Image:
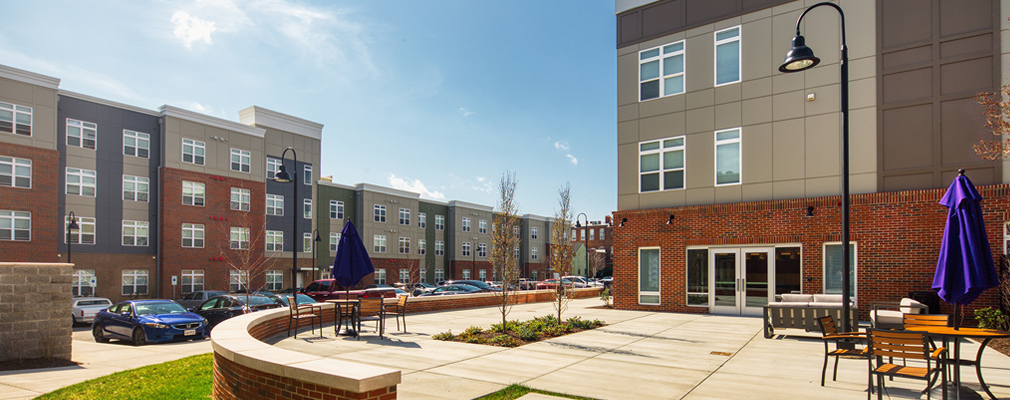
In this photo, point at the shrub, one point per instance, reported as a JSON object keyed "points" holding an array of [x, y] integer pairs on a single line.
{"points": [[473, 330], [504, 341], [444, 336], [527, 333], [990, 318], [605, 297]]}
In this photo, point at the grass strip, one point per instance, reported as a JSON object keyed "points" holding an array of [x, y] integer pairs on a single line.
{"points": [[186, 378], [515, 391]]}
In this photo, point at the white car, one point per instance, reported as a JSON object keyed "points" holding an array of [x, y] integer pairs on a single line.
{"points": [[85, 308]]}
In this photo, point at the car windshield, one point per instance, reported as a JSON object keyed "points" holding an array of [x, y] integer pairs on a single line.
{"points": [[94, 303], [256, 300], [165, 307]]}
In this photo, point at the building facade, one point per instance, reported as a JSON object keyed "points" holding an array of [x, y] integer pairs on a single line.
{"points": [[729, 171]]}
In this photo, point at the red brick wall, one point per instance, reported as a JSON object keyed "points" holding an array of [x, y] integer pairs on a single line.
{"points": [[46, 221], [238, 382], [897, 238]]}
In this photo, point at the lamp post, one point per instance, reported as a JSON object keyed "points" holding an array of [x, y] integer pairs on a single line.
{"points": [[585, 241], [316, 239], [71, 225], [473, 252], [282, 176], [800, 58]]}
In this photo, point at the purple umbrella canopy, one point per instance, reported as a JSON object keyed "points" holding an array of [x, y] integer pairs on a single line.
{"points": [[352, 262], [965, 267]]}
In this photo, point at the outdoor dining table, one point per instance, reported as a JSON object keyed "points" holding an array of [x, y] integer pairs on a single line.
{"points": [[948, 333], [342, 307]]}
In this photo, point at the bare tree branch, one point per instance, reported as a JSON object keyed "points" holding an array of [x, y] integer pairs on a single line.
{"points": [[562, 252], [504, 239]]}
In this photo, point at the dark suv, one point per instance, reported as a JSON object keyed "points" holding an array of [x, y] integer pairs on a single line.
{"points": [[484, 287]]}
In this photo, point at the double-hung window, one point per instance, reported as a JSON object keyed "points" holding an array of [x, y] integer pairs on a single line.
{"points": [[80, 286], [136, 144], [82, 134], [334, 241], [533, 253], [661, 164], [240, 199], [439, 275], [16, 172], [404, 216], [81, 181], [379, 243], [193, 193], [275, 204], [336, 209], [422, 220], [308, 175], [135, 233], [193, 151], [533, 232], [238, 280], [404, 245], [422, 246], [15, 119], [306, 242], [380, 276], [273, 165], [275, 241], [192, 280], [727, 56], [307, 208], [648, 275], [481, 250], [15, 225], [192, 235], [466, 249], [833, 267], [482, 226], [439, 248], [240, 160], [439, 222], [135, 188], [275, 280], [466, 224], [661, 71], [379, 213], [134, 281], [727, 157], [239, 238], [404, 275]]}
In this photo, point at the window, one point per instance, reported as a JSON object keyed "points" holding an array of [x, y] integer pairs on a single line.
{"points": [[422, 246], [575, 235], [136, 144], [336, 209], [1006, 238], [15, 172], [533, 232], [15, 119], [534, 276], [727, 56], [380, 276], [273, 165], [582, 234], [239, 238], [379, 213], [591, 233], [85, 233], [833, 268], [515, 232], [192, 235], [307, 208], [308, 175], [515, 252], [81, 181], [466, 224], [404, 216], [601, 234], [466, 274], [192, 193], [482, 274], [727, 157], [275, 204], [82, 134], [237, 280], [661, 71], [275, 241], [240, 199], [334, 241], [379, 243], [481, 250], [404, 275], [482, 226], [439, 222], [439, 275], [135, 233], [466, 249], [81, 284], [661, 164], [422, 220], [192, 280], [275, 280], [240, 160], [533, 253], [134, 282], [307, 242], [648, 275], [135, 188], [424, 275], [697, 277], [404, 245], [439, 248], [193, 151]]}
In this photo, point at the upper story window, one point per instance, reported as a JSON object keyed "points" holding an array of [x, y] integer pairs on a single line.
{"points": [[81, 181], [661, 164], [466, 224], [334, 241], [422, 220], [240, 160], [273, 165], [727, 56], [192, 235], [275, 204], [591, 233], [404, 216], [85, 234], [482, 226], [15, 225], [275, 241], [82, 134], [308, 175], [439, 222], [307, 208], [16, 172], [136, 144], [379, 213], [193, 151], [727, 157], [240, 199], [533, 232], [135, 233], [466, 249], [379, 243], [15, 119], [661, 71], [193, 193], [135, 188], [336, 209], [439, 248], [239, 238]]}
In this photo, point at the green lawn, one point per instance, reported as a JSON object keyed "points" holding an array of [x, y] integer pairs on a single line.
{"points": [[512, 392], [187, 378]]}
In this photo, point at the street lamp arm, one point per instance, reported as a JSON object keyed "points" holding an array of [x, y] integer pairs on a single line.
{"points": [[835, 6]]}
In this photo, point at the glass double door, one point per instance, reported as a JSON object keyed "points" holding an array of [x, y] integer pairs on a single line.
{"points": [[742, 280]]}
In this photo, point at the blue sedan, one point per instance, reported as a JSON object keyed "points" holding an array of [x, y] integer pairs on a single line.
{"points": [[148, 321]]}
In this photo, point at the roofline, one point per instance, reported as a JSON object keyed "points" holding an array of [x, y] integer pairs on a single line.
{"points": [[260, 116], [109, 103], [463, 204], [21, 75], [170, 111], [385, 190]]}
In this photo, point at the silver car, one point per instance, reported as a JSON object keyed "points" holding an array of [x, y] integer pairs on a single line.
{"points": [[85, 308]]}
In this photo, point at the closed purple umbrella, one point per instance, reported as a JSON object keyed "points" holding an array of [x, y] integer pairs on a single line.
{"points": [[965, 267], [352, 262]]}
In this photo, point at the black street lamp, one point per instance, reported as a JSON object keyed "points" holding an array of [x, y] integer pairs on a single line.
{"points": [[473, 252], [585, 241], [800, 58], [316, 239], [71, 225], [282, 176]]}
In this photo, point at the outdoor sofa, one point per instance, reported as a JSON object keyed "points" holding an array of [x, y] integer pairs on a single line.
{"points": [[800, 311]]}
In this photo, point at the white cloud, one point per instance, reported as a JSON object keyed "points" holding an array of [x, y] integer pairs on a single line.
{"points": [[574, 161], [191, 29], [563, 146], [466, 112], [414, 185]]}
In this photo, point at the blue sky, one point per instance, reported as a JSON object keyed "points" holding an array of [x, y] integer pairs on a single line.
{"points": [[439, 97]]}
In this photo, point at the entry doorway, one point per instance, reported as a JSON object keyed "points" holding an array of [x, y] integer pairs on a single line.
{"points": [[745, 279]]}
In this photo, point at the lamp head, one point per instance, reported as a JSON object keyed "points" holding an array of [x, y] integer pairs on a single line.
{"points": [[799, 58], [282, 175], [73, 224]]}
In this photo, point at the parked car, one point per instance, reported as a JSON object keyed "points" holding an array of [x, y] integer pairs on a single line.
{"points": [[575, 281], [454, 288], [483, 286], [552, 284], [494, 285], [420, 288], [148, 321], [195, 298], [324, 289], [282, 299], [220, 308], [85, 308], [397, 289], [527, 284]]}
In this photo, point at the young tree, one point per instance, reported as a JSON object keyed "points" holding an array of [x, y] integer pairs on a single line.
{"points": [[562, 252], [244, 252], [996, 111], [504, 226]]}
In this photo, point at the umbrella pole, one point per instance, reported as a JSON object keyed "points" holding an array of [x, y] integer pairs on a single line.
{"points": [[957, 311]]}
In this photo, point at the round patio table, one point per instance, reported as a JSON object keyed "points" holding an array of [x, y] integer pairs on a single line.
{"points": [[344, 308], [956, 334]]}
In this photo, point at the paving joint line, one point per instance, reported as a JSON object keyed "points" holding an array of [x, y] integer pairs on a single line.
{"points": [[722, 364]]}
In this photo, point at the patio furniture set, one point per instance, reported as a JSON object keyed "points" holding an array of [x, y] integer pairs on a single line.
{"points": [[349, 313]]}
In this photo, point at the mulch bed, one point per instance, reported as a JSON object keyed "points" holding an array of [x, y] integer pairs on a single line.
{"points": [[35, 363]]}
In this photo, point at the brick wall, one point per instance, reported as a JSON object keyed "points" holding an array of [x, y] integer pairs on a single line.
{"points": [[34, 311], [897, 238], [239, 382], [46, 222]]}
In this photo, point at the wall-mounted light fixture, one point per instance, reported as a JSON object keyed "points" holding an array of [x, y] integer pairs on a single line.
{"points": [[810, 211], [623, 220], [670, 221]]}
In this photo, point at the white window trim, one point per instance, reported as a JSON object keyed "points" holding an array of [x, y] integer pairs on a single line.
{"points": [[195, 144], [336, 209], [274, 241], [662, 170], [138, 137], [244, 199], [192, 274], [662, 73], [334, 241], [16, 109], [422, 220], [639, 279], [244, 160], [307, 208], [855, 261], [439, 222], [715, 155], [82, 223], [403, 216], [193, 228], [379, 213], [194, 186], [14, 216], [276, 164], [278, 207], [81, 173], [14, 163], [715, 54], [82, 125], [307, 178], [379, 243], [243, 233], [137, 227], [137, 181]]}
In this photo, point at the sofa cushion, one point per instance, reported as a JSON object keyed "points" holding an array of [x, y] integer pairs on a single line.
{"points": [[887, 317], [789, 304], [907, 306], [797, 298], [828, 298]]}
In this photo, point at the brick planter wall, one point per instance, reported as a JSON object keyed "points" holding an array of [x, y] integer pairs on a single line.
{"points": [[35, 311], [233, 381]]}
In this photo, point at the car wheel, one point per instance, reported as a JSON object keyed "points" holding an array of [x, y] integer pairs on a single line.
{"points": [[139, 339], [73, 321], [99, 335]]}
